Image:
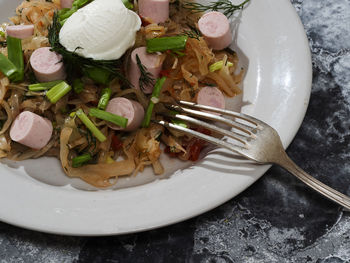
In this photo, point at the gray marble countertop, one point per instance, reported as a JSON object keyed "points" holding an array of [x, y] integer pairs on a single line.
{"points": [[277, 219]]}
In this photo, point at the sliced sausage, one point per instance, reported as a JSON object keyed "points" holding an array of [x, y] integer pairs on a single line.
{"points": [[152, 63], [156, 10], [211, 96], [130, 109], [66, 3], [31, 130], [47, 65], [20, 31], [215, 29]]}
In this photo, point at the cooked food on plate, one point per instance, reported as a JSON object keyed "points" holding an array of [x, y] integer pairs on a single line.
{"points": [[82, 80]]}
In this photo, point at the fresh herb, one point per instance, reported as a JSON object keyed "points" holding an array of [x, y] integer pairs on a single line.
{"points": [[227, 7], [90, 125], [107, 116], [154, 98], [160, 44], [8, 68], [98, 74], [218, 65], [43, 86], [78, 86], [65, 13], [58, 91], [2, 33], [81, 160], [128, 4], [192, 32], [15, 54], [105, 97], [74, 62], [179, 123], [146, 79]]}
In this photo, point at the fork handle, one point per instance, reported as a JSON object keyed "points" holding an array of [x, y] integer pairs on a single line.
{"points": [[315, 184]]}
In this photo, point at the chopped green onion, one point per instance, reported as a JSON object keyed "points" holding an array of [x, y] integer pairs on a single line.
{"points": [[78, 86], [7, 67], [179, 54], [218, 65], [89, 124], [160, 44], [80, 160], [179, 123], [107, 116], [72, 114], [2, 33], [105, 96], [97, 74], [58, 91], [155, 94], [65, 13], [15, 54], [43, 86], [128, 4]]}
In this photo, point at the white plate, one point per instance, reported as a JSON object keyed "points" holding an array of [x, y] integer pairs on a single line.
{"points": [[273, 45]]}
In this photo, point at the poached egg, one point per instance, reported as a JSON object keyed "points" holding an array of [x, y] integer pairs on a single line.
{"points": [[101, 30]]}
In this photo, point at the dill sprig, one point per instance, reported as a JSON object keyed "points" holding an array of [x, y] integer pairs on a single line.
{"points": [[146, 78], [74, 62], [192, 32], [226, 6]]}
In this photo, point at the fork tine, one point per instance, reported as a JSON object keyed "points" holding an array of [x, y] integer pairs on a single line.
{"points": [[240, 126], [213, 140], [239, 115], [234, 135]]}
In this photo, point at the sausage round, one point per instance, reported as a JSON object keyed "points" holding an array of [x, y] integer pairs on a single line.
{"points": [[20, 31], [66, 3], [211, 96], [215, 29], [130, 109], [152, 63], [156, 10], [31, 130], [47, 65]]}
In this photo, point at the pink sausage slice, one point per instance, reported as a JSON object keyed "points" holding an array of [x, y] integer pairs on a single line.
{"points": [[211, 96], [130, 109], [20, 31], [66, 3], [47, 65], [156, 10], [152, 63], [215, 28], [31, 130]]}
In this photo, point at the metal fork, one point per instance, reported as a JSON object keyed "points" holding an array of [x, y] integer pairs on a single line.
{"points": [[254, 139]]}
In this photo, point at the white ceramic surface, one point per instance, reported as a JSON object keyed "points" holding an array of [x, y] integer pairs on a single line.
{"points": [[273, 47]]}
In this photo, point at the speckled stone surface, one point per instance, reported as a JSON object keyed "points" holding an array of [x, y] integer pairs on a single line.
{"points": [[277, 219]]}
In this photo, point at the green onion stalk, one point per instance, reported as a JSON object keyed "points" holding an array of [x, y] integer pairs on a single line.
{"points": [[154, 99], [90, 125], [81, 160], [105, 97], [58, 91], [13, 65], [15, 54], [78, 86], [160, 44], [107, 116], [43, 86], [8, 68]]}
